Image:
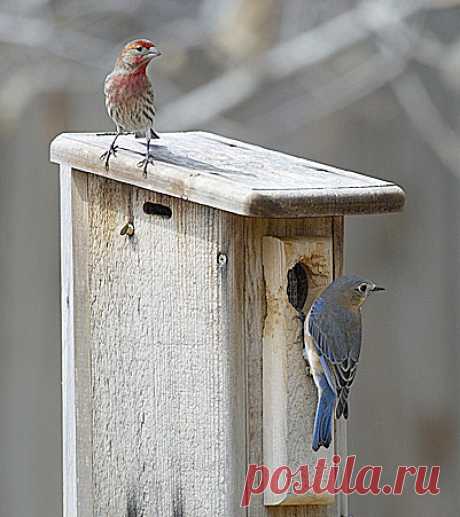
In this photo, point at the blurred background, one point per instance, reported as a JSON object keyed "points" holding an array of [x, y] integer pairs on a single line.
{"points": [[372, 86]]}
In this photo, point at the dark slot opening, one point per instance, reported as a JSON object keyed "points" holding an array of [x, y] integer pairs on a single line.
{"points": [[157, 209], [297, 288]]}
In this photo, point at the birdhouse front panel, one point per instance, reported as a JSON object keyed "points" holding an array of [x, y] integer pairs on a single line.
{"points": [[166, 404]]}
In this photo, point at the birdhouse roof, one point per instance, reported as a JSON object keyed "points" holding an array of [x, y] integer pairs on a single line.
{"points": [[230, 175]]}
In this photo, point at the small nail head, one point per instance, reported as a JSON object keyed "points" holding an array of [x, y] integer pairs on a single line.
{"points": [[128, 229], [222, 259]]}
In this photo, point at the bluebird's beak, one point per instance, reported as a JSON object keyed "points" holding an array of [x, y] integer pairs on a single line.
{"points": [[377, 288]]}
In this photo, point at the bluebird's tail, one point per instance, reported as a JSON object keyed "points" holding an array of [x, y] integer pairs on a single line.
{"points": [[322, 431]]}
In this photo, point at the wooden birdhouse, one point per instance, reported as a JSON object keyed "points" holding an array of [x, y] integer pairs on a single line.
{"points": [[182, 345]]}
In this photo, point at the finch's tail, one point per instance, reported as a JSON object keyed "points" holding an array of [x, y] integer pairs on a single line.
{"points": [[322, 431]]}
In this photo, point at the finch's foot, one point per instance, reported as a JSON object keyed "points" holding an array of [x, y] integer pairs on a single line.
{"points": [[106, 156], [145, 162]]}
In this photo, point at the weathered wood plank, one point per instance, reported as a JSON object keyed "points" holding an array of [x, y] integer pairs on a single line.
{"points": [[169, 424], [76, 378], [290, 395], [255, 308], [233, 176]]}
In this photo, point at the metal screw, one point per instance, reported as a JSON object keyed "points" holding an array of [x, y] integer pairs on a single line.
{"points": [[222, 259], [128, 229]]}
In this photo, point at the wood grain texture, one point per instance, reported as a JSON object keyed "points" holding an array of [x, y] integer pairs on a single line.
{"points": [[255, 309], [76, 368], [168, 420], [170, 348], [290, 396], [233, 176]]}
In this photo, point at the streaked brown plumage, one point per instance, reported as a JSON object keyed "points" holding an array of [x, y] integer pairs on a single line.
{"points": [[129, 96]]}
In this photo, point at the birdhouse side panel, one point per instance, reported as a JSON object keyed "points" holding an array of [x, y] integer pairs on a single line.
{"points": [[328, 229]]}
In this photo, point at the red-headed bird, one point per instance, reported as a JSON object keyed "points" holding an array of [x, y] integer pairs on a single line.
{"points": [[129, 96]]}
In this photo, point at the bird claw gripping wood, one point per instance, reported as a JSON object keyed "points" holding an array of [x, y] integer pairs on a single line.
{"points": [[144, 164], [112, 151], [307, 364], [302, 317]]}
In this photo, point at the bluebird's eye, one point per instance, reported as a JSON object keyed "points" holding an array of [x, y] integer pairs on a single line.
{"points": [[139, 49], [362, 288]]}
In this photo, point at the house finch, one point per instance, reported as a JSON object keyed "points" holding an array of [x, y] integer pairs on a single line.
{"points": [[129, 96]]}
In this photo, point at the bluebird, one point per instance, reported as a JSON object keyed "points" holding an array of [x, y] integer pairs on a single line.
{"points": [[332, 347]]}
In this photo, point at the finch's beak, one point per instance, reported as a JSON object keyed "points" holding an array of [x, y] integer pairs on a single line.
{"points": [[154, 52], [377, 288]]}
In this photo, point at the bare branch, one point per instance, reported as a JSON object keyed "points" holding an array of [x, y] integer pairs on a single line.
{"points": [[359, 82], [43, 34], [233, 87], [428, 121]]}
